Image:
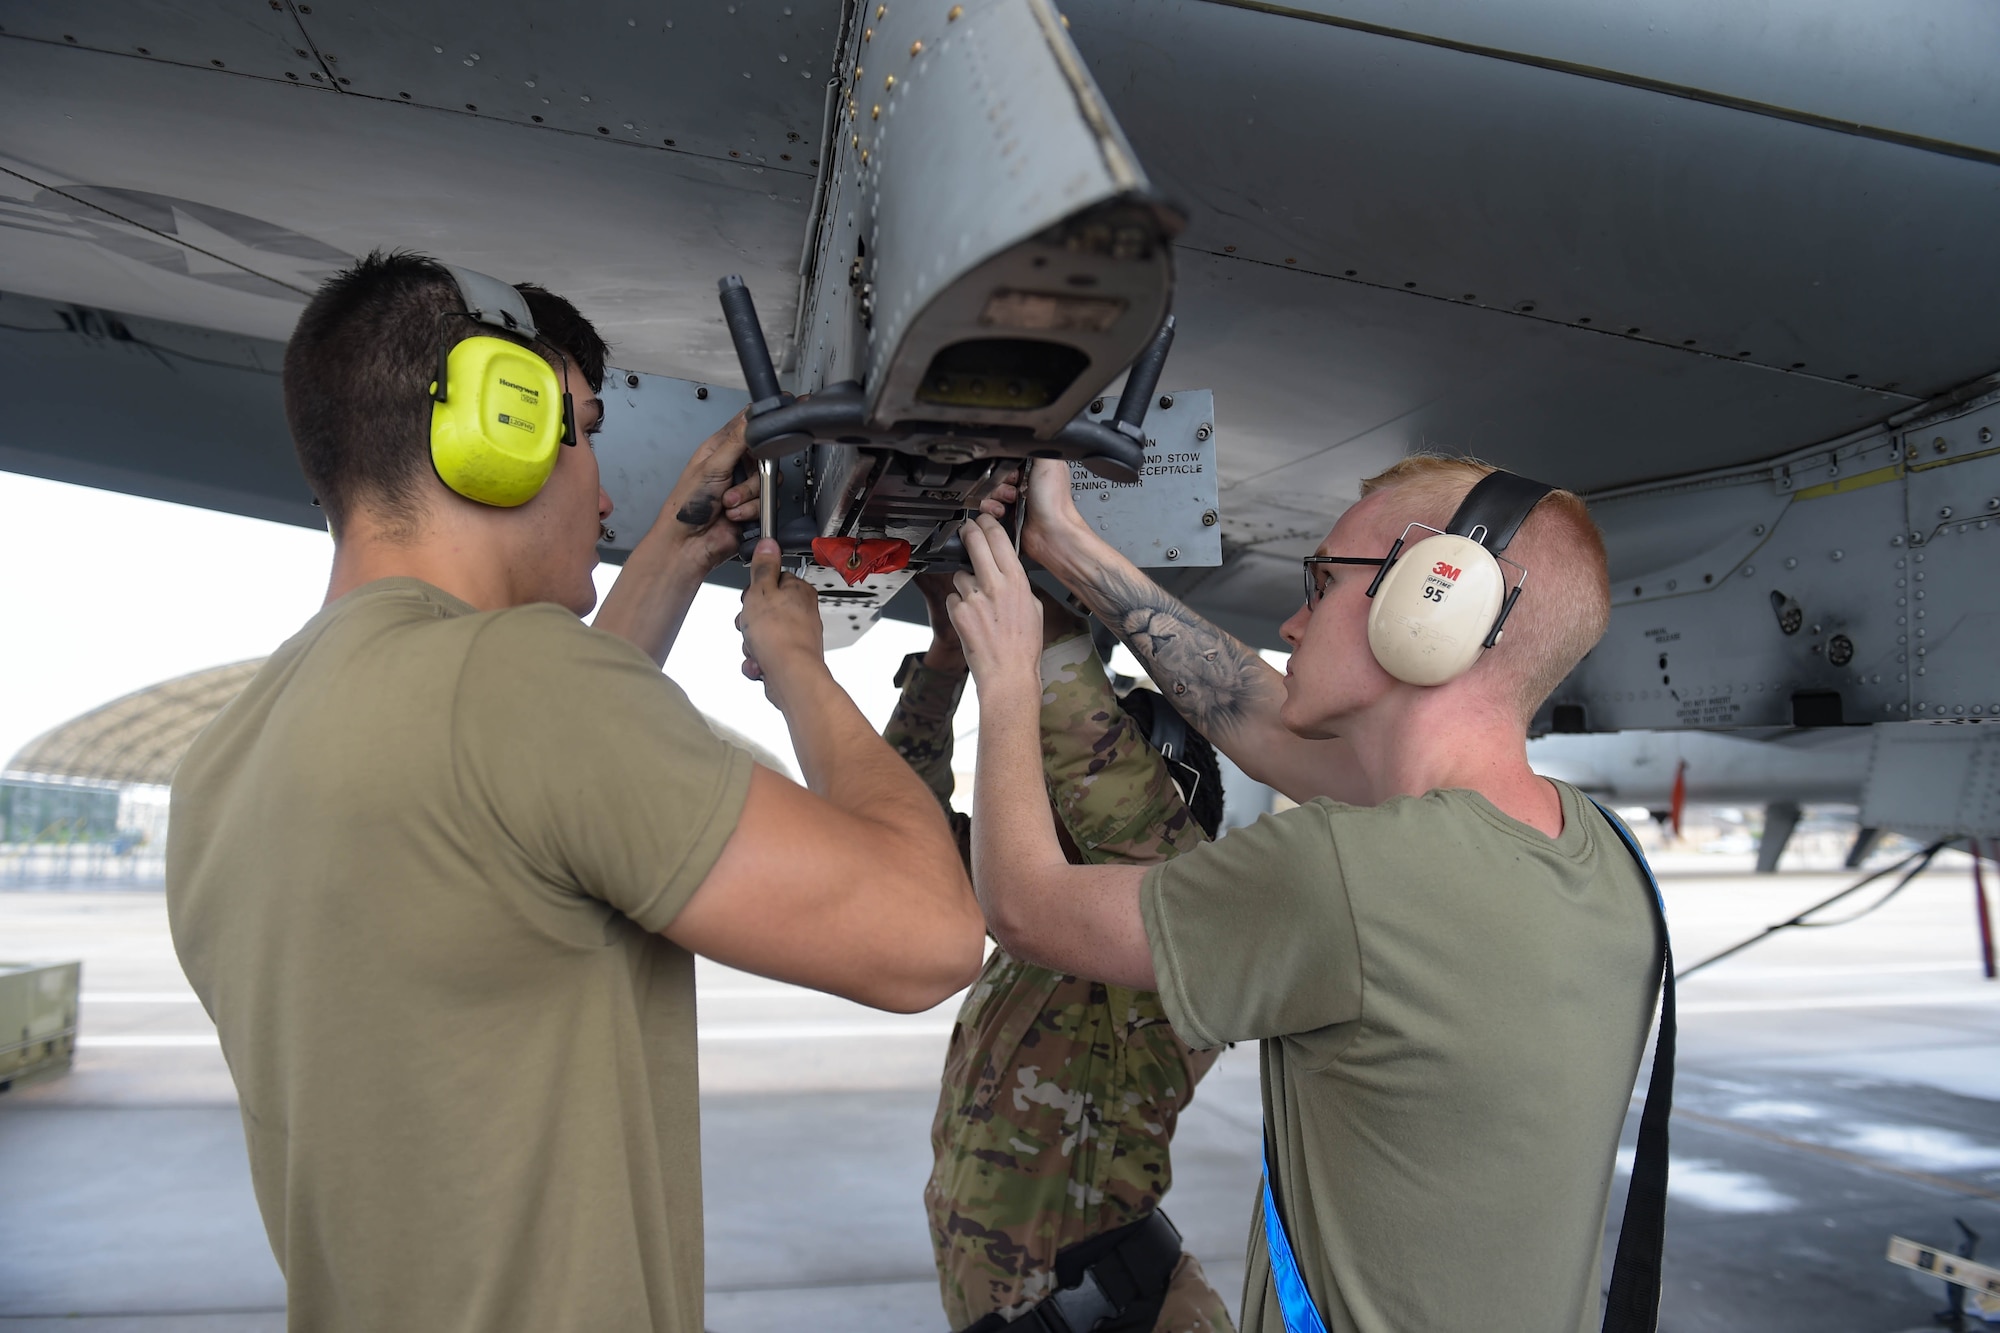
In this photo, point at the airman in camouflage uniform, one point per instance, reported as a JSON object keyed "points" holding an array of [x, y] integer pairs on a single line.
{"points": [[1059, 1095]]}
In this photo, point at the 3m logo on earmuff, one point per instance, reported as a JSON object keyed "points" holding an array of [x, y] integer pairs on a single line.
{"points": [[1447, 600], [1441, 580]]}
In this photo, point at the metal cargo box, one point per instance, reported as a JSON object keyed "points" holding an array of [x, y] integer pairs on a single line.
{"points": [[37, 1020]]}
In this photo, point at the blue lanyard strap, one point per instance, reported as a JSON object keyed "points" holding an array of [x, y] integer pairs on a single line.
{"points": [[1633, 1305], [1301, 1315]]}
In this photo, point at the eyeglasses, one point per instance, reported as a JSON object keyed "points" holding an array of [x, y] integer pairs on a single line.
{"points": [[1316, 582]]}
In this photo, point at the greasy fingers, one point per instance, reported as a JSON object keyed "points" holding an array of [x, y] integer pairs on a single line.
{"points": [[697, 496]]}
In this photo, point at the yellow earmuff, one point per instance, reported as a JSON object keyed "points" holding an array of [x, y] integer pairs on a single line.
{"points": [[498, 410], [497, 426]]}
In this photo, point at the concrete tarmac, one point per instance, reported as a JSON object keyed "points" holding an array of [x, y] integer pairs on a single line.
{"points": [[1835, 1086]]}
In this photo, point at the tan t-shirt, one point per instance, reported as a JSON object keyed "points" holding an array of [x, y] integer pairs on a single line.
{"points": [[1453, 1008], [416, 876]]}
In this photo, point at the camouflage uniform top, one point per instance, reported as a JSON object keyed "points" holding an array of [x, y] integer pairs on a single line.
{"points": [[1059, 1095]]}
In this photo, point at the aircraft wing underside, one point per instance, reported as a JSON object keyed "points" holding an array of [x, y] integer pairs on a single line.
{"points": [[1609, 249]]}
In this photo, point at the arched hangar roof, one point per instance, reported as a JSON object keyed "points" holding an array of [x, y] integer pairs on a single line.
{"points": [[141, 737]]}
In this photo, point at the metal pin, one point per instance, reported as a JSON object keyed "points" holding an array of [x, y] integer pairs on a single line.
{"points": [[916, 48], [767, 499], [956, 10], [889, 82]]}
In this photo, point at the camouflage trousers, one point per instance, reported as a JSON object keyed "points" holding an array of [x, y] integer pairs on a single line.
{"points": [[1193, 1306]]}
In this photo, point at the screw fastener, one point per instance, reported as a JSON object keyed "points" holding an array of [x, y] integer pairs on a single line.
{"points": [[1209, 518], [1173, 553], [1203, 431]]}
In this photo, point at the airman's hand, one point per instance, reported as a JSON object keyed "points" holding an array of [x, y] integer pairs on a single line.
{"points": [[1053, 521], [995, 611], [1006, 493], [782, 635], [704, 512]]}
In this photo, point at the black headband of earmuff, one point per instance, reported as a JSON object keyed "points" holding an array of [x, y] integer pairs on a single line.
{"points": [[1500, 503], [1496, 507]]}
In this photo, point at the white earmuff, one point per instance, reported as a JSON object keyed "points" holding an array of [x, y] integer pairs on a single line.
{"points": [[1434, 608]]}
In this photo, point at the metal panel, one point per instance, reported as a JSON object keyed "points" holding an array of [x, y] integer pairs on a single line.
{"points": [[147, 407], [848, 612], [1789, 56], [1934, 781], [250, 37], [1168, 518], [1840, 585], [652, 426], [1452, 177], [743, 80], [634, 236], [37, 1020]]}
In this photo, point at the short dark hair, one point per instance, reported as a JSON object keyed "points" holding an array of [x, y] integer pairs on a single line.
{"points": [[358, 370], [563, 324], [1195, 769]]}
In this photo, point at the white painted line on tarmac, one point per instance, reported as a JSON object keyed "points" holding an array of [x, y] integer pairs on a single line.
{"points": [[1782, 973], [153, 1039], [1803, 1003]]}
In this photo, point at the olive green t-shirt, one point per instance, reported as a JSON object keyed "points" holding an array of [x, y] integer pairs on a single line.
{"points": [[417, 876], [1452, 1007]]}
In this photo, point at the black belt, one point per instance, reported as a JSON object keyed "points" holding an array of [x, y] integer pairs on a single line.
{"points": [[1122, 1272]]}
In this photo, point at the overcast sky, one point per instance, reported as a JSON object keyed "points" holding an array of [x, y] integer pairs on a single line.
{"points": [[103, 594]]}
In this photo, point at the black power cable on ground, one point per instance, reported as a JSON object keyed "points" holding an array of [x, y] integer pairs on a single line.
{"points": [[1917, 863]]}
